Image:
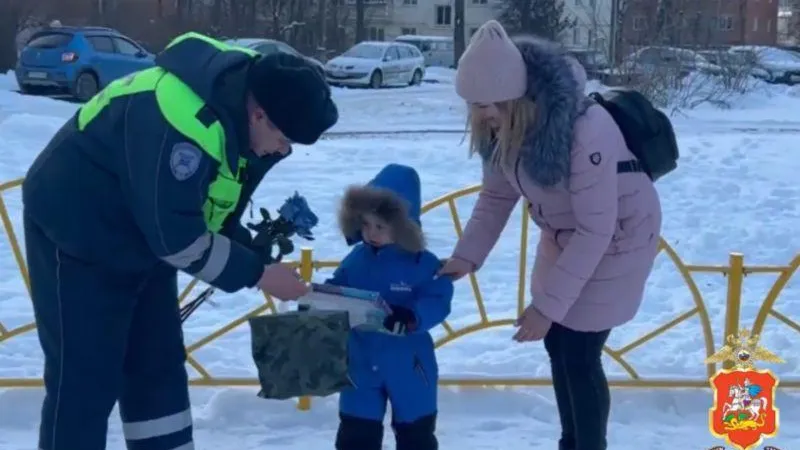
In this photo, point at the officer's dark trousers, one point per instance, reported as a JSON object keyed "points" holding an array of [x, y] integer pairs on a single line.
{"points": [[107, 337], [581, 387]]}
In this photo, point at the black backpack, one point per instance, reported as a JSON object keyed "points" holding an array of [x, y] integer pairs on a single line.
{"points": [[648, 132]]}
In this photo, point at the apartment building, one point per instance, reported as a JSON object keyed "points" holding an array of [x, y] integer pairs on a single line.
{"points": [[387, 19], [698, 23], [789, 22]]}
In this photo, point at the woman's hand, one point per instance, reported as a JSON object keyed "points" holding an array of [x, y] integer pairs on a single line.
{"points": [[533, 325], [456, 268]]}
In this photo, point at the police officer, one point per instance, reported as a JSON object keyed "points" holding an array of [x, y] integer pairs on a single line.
{"points": [[149, 177]]}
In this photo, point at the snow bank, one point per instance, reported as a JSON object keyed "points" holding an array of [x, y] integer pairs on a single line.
{"points": [[441, 75], [8, 81]]}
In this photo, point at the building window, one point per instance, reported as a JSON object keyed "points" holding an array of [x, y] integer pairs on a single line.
{"points": [[408, 31], [444, 15], [409, 2], [725, 23], [755, 23], [639, 23], [375, 34], [769, 25], [479, 2], [576, 36]]}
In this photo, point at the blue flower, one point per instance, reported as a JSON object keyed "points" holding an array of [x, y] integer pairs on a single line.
{"points": [[296, 211]]}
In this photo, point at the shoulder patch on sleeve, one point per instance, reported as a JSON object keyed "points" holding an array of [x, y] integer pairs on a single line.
{"points": [[596, 158], [184, 160]]}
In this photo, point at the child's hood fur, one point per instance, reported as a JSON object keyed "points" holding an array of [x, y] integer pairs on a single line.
{"points": [[394, 196]]}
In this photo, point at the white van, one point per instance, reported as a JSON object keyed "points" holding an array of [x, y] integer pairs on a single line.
{"points": [[437, 50]]}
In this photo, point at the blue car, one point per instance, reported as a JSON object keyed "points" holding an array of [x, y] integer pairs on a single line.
{"points": [[78, 61]]}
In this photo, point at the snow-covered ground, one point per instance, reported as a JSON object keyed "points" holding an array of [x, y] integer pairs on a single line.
{"points": [[735, 190]]}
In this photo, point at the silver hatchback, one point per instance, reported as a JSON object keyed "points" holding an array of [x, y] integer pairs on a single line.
{"points": [[377, 64]]}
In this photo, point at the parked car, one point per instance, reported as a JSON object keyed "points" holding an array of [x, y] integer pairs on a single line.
{"points": [[78, 61], [437, 50], [775, 65], [376, 64], [733, 65], [654, 59], [269, 46]]}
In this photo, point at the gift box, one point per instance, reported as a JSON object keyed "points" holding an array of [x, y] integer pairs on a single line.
{"points": [[301, 353], [304, 352]]}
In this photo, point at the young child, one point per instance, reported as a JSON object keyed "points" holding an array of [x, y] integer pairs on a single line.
{"points": [[382, 221]]}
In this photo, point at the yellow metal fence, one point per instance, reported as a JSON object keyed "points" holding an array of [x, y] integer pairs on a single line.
{"points": [[735, 271]]}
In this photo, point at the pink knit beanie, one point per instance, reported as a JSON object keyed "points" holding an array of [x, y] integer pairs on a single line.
{"points": [[491, 70]]}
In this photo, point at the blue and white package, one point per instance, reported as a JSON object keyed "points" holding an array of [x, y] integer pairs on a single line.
{"points": [[366, 309]]}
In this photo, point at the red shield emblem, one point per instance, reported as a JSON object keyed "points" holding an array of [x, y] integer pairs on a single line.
{"points": [[744, 411]]}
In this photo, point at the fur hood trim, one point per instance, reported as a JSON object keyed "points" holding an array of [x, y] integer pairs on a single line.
{"points": [[360, 200], [556, 83]]}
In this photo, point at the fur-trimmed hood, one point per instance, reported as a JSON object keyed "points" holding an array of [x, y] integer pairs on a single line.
{"points": [[393, 195], [556, 83]]}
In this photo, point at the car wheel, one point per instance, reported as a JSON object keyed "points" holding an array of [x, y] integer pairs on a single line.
{"points": [[376, 80], [416, 79], [86, 86]]}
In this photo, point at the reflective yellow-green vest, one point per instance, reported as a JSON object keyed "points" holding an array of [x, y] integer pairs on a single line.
{"points": [[179, 105]]}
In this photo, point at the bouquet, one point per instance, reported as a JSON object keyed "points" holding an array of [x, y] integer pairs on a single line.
{"points": [[295, 217]]}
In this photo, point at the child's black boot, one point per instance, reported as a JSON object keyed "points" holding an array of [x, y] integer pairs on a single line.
{"points": [[417, 435], [359, 434]]}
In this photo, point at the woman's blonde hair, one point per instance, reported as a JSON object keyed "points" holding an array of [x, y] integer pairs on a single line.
{"points": [[515, 118]]}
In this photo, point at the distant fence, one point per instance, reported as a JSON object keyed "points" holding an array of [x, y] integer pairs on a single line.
{"points": [[735, 271]]}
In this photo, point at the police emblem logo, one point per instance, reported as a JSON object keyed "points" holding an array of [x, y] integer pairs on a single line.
{"points": [[743, 412], [596, 158], [184, 160]]}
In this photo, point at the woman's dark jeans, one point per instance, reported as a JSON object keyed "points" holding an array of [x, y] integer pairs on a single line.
{"points": [[581, 386]]}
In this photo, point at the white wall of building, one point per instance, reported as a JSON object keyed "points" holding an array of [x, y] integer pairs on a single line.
{"points": [[391, 18], [593, 29]]}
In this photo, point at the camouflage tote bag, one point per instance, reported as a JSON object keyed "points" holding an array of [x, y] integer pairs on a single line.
{"points": [[301, 353]]}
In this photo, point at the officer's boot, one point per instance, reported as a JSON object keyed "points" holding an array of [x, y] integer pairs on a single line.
{"points": [[359, 434], [417, 435]]}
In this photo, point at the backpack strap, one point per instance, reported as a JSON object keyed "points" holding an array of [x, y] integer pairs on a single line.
{"points": [[629, 166]]}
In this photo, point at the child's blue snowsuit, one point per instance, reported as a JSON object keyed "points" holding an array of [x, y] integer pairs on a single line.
{"points": [[402, 369]]}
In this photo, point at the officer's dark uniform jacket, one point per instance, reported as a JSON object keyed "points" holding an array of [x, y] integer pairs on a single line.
{"points": [[107, 194]]}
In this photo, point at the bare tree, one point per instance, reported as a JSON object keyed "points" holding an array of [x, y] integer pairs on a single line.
{"points": [[675, 63], [15, 15], [545, 18]]}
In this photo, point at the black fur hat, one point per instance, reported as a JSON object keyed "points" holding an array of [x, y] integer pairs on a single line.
{"points": [[295, 95]]}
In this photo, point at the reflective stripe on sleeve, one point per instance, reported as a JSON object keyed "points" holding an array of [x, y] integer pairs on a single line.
{"points": [[217, 259], [218, 254], [190, 254]]}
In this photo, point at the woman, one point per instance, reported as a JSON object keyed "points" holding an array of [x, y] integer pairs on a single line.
{"points": [[541, 139]]}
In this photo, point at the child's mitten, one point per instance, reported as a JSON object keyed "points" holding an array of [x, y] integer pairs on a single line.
{"points": [[400, 321]]}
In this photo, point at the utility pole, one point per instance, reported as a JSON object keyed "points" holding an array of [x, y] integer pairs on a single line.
{"points": [[360, 31], [459, 44], [614, 26]]}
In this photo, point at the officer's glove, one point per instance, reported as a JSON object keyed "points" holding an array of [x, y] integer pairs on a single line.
{"points": [[401, 321]]}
